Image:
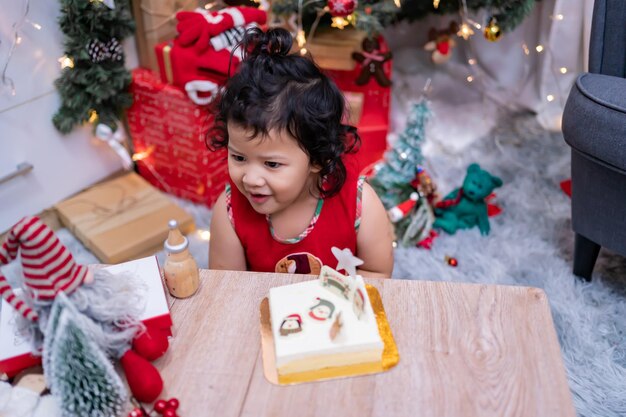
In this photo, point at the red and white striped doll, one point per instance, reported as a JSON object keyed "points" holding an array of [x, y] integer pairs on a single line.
{"points": [[112, 301]]}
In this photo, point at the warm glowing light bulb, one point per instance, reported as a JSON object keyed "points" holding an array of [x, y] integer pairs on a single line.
{"points": [[303, 51], [138, 156], [394, 244], [204, 234], [550, 97], [66, 62], [525, 48], [539, 48], [471, 61], [18, 40], [93, 116], [436, 3], [558, 17], [465, 31], [339, 22], [470, 78], [397, 3], [563, 70], [300, 38]]}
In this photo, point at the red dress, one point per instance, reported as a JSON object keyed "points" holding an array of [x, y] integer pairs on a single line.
{"points": [[336, 224]]}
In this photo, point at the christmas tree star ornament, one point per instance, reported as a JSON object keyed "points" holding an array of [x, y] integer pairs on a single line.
{"points": [[346, 260]]}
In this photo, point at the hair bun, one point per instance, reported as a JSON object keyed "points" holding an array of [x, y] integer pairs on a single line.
{"points": [[274, 42]]}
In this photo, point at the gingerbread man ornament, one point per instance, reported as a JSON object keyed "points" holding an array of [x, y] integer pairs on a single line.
{"points": [[372, 60]]}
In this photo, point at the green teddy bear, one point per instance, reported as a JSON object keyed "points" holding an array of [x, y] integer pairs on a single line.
{"points": [[465, 207]]}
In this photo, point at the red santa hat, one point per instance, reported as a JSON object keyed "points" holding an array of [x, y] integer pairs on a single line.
{"points": [[196, 28], [48, 266], [294, 317]]}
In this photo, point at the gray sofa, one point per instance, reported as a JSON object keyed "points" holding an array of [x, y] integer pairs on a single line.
{"points": [[594, 125]]}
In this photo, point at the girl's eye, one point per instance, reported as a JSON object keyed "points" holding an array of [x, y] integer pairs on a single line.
{"points": [[271, 164], [238, 158]]}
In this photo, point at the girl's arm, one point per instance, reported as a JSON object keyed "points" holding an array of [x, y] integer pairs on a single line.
{"points": [[375, 237], [225, 250]]}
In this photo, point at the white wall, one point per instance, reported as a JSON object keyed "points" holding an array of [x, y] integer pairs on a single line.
{"points": [[63, 165]]}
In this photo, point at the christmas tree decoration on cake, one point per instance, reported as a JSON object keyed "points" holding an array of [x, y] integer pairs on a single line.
{"points": [[95, 88], [336, 327], [466, 206], [403, 185], [372, 60], [180, 269]]}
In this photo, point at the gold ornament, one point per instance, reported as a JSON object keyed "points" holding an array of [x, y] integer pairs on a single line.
{"points": [[492, 31]]}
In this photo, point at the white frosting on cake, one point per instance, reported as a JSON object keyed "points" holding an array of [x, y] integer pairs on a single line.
{"points": [[358, 340]]}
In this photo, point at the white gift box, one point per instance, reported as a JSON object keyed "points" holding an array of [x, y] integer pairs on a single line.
{"points": [[15, 350]]}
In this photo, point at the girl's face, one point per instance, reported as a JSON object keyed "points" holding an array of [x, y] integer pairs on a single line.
{"points": [[272, 172]]}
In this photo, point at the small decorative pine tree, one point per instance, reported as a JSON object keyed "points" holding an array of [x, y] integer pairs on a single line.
{"points": [[79, 373], [395, 179], [94, 83], [392, 180]]}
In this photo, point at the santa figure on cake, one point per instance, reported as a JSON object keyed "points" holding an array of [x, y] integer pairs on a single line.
{"points": [[113, 302]]}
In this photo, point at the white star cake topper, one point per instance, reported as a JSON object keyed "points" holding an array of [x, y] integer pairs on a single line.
{"points": [[346, 260]]}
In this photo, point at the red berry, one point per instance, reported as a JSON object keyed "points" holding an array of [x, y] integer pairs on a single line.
{"points": [[136, 413], [173, 403], [160, 406], [169, 413]]}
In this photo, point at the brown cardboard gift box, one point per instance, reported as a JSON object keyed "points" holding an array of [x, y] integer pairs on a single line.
{"points": [[123, 218], [332, 49], [156, 23]]}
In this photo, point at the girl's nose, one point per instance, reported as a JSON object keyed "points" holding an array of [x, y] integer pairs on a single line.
{"points": [[252, 179]]}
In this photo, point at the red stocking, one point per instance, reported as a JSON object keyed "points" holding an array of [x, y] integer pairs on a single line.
{"points": [[143, 378], [151, 344]]}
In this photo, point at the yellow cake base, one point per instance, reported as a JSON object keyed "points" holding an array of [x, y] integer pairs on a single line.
{"points": [[389, 358]]}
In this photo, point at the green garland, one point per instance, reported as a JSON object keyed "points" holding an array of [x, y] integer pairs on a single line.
{"points": [[96, 88], [508, 13], [372, 16]]}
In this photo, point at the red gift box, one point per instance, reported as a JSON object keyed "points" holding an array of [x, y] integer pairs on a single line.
{"points": [[168, 133], [374, 121], [15, 350]]}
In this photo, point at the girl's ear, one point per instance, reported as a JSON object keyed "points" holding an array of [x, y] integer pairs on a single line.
{"points": [[315, 169]]}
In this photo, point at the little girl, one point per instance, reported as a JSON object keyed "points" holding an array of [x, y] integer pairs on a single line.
{"points": [[294, 188]]}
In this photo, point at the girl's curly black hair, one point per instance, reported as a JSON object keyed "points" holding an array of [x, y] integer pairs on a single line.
{"points": [[274, 89]]}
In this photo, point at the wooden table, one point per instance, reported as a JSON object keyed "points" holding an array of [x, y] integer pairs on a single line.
{"points": [[465, 350]]}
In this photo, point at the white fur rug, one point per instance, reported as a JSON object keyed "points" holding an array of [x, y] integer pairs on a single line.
{"points": [[530, 244]]}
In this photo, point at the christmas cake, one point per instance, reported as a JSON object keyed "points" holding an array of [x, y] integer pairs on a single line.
{"points": [[325, 323]]}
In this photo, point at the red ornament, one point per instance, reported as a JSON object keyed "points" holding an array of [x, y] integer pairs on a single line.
{"points": [[170, 413], [173, 403], [160, 406], [341, 8], [137, 412], [451, 261]]}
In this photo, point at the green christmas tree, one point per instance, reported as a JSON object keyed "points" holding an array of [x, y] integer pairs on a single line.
{"points": [[94, 83], [396, 180], [77, 370]]}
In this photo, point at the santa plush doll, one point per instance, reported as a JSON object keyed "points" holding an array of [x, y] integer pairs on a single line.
{"points": [[112, 301], [206, 49]]}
